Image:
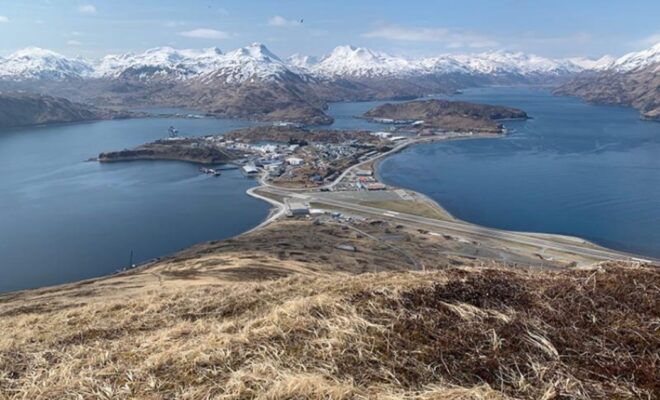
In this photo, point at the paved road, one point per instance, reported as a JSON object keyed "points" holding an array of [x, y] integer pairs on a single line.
{"points": [[463, 227], [279, 211]]}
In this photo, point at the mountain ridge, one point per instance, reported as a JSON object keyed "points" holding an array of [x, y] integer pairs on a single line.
{"points": [[253, 82], [343, 61], [631, 80]]}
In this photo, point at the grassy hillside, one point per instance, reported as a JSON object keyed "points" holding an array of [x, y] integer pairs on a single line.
{"points": [[230, 321], [457, 333]]}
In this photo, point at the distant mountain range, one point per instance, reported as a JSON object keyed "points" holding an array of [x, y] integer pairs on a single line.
{"points": [[632, 80], [253, 82], [257, 62]]}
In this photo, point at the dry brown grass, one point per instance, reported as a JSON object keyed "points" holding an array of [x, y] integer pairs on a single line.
{"points": [[458, 333]]}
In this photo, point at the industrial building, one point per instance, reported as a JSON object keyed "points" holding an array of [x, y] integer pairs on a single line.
{"points": [[298, 208]]}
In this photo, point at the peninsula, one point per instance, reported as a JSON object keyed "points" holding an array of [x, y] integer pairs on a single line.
{"points": [[25, 109], [362, 291]]}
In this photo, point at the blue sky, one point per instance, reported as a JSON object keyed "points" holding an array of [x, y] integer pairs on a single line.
{"points": [[411, 27]]}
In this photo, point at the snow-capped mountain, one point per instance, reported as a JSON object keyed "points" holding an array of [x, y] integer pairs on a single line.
{"points": [[34, 63], [637, 60], [302, 62], [250, 63], [358, 62], [257, 62], [591, 64], [499, 62], [633, 80], [165, 62]]}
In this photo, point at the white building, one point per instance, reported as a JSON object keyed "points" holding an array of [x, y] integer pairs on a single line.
{"points": [[298, 208], [382, 135], [250, 170], [294, 161]]}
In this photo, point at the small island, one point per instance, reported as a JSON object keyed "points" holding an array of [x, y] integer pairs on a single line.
{"points": [[431, 116]]}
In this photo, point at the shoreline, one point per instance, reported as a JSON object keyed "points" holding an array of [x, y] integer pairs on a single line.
{"points": [[374, 164], [277, 209]]}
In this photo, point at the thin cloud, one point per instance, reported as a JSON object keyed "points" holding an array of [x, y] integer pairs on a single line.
{"points": [[451, 38], [281, 22], [73, 43], [174, 24], [648, 41], [205, 33], [3, 19], [87, 9]]}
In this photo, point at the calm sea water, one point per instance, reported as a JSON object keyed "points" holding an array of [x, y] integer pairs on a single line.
{"points": [[575, 168], [63, 219], [578, 169]]}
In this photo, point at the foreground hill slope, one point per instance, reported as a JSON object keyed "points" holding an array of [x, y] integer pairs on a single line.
{"points": [[241, 319]]}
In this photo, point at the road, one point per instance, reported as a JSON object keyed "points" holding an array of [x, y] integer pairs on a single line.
{"points": [[521, 238], [353, 167], [462, 227], [279, 208]]}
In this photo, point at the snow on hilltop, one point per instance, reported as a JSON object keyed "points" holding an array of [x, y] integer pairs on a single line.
{"points": [[636, 60], [257, 62], [500, 62], [302, 62], [164, 61], [598, 64], [358, 62], [348, 61], [34, 63], [253, 61]]}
